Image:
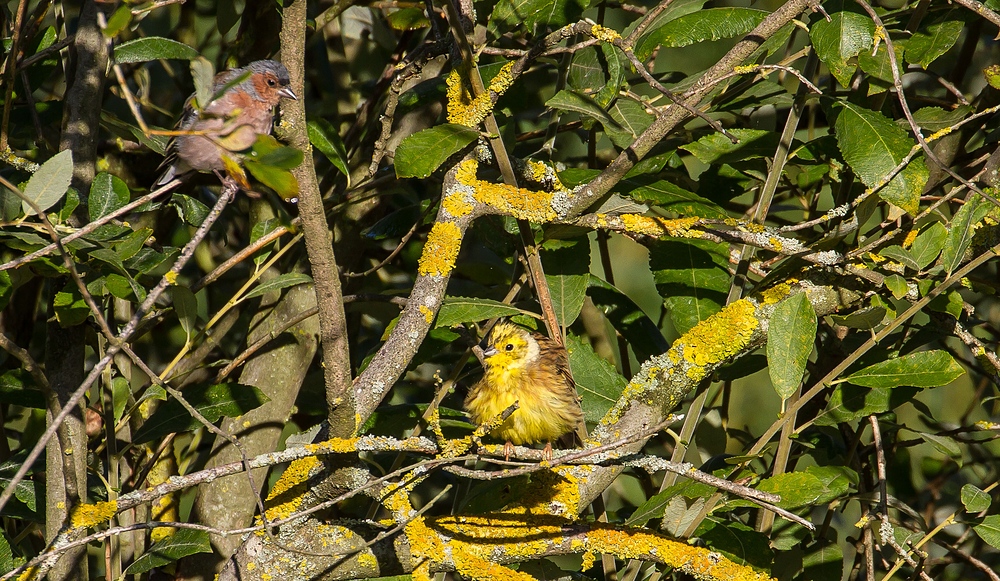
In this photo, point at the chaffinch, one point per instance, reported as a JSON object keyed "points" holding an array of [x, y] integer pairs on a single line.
{"points": [[230, 123]]}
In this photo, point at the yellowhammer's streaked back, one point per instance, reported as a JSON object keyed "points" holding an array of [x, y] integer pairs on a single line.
{"points": [[530, 369]]}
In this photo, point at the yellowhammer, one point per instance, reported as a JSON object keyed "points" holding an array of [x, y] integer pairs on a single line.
{"points": [[533, 370]]}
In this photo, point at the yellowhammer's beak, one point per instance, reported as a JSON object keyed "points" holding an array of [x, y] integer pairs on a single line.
{"points": [[489, 352]]}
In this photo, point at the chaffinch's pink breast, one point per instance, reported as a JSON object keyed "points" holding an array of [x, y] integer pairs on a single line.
{"points": [[215, 130]]}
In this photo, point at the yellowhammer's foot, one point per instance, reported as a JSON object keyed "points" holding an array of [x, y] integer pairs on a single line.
{"points": [[547, 452], [508, 449]]}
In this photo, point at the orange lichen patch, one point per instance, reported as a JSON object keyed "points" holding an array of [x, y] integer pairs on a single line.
{"points": [[717, 338], [776, 293], [696, 561], [87, 515], [441, 250], [775, 243], [456, 205], [427, 313], [603, 33], [531, 205], [744, 69], [654, 226], [910, 237]]}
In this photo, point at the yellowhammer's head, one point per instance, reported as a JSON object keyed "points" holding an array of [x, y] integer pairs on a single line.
{"points": [[509, 347]]}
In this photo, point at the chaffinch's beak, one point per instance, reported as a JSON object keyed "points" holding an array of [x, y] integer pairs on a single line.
{"points": [[288, 93]]}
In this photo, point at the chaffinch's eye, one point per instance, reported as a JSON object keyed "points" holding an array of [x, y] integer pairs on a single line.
{"points": [[272, 83], [509, 347]]}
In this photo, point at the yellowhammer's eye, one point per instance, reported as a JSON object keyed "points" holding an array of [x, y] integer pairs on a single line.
{"points": [[509, 347]]}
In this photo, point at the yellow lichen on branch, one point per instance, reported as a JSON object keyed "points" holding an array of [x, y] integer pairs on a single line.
{"points": [[463, 108], [88, 515], [654, 226], [532, 205], [288, 490], [639, 544], [717, 338], [472, 544], [441, 250]]}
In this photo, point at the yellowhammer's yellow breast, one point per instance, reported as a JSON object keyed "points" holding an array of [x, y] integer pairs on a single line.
{"points": [[548, 406]]}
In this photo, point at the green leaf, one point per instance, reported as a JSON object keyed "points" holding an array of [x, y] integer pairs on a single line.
{"points": [[927, 44], [920, 369], [23, 490], [700, 26], [280, 180], [897, 286], [289, 279], [120, 391], [186, 307], [408, 19], [692, 276], [873, 145], [864, 318], [49, 183], [6, 554], [17, 387], [585, 105], [670, 197], [989, 530], [324, 137], [598, 70], [152, 48], [656, 506], [267, 151], [260, 230], [815, 485], [936, 118], [943, 444], [717, 148], [107, 194], [841, 39], [567, 271], [790, 337], [677, 8], [189, 209], [627, 318], [974, 499], [129, 246], [118, 21], [962, 229], [457, 310], [182, 543], [69, 306], [508, 14], [928, 245], [850, 402], [6, 289], [211, 401], [597, 381], [879, 65], [631, 117], [420, 154], [203, 74], [899, 254], [740, 543], [124, 287]]}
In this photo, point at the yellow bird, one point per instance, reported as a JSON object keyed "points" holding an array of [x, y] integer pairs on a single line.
{"points": [[533, 370]]}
